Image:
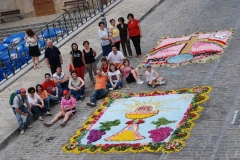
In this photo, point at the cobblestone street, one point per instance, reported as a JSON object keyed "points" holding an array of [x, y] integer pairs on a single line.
{"points": [[213, 137]]}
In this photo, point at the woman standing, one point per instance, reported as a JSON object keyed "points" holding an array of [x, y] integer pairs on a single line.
{"points": [[114, 77], [114, 34], [76, 86], [77, 61], [132, 75], [124, 35], [89, 55], [104, 39], [31, 40], [135, 33]]}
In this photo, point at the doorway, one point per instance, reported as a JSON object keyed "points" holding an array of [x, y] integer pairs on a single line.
{"points": [[44, 7]]}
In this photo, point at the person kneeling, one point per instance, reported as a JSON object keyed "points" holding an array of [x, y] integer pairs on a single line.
{"points": [[68, 108], [153, 78], [114, 77]]}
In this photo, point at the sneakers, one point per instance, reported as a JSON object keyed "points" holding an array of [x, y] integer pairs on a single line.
{"points": [[29, 126], [47, 124], [82, 98], [110, 89], [162, 82], [153, 86], [91, 104], [22, 131], [62, 124], [139, 82], [48, 114]]}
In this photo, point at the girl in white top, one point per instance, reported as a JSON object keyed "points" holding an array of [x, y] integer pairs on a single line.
{"points": [[31, 40], [153, 78], [37, 104], [114, 77]]}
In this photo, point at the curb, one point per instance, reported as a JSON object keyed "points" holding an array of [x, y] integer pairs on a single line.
{"points": [[28, 67], [4, 141]]}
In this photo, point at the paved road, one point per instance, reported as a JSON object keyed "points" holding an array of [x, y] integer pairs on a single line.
{"points": [[212, 137]]}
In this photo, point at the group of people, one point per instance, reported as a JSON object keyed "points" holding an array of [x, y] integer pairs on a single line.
{"points": [[121, 34], [57, 88]]}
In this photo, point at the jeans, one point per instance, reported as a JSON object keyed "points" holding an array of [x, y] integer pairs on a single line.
{"points": [[61, 87], [54, 98], [98, 94], [47, 103], [37, 110], [19, 118], [78, 93], [119, 83]]}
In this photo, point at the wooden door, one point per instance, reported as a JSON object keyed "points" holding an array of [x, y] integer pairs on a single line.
{"points": [[44, 7]]}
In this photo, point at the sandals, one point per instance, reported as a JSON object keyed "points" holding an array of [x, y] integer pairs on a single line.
{"points": [[49, 114], [40, 118]]}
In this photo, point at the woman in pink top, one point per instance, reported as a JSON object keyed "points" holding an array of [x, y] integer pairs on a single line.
{"points": [[132, 75], [68, 108]]}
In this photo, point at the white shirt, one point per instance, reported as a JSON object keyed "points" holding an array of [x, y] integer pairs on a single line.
{"points": [[151, 74], [30, 39], [34, 99], [115, 58], [114, 75], [58, 77], [101, 34]]}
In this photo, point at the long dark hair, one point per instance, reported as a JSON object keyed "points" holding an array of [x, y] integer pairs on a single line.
{"points": [[125, 61], [38, 85], [74, 44], [111, 64], [30, 32]]}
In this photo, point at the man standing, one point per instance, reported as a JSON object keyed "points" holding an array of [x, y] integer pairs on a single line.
{"points": [[116, 57], [20, 109], [51, 88], [61, 79], [100, 90], [53, 56]]}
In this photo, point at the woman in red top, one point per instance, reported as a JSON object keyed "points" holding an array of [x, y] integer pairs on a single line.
{"points": [[135, 33]]}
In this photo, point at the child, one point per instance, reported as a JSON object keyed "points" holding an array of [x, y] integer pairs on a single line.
{"points": [[68, 108], [153, 78]]}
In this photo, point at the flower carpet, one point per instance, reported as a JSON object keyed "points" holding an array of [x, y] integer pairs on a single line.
{"points": [[158, 121], [196, 48]]}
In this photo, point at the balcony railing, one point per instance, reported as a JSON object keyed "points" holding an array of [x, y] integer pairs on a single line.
{"points": [[17, 57]]}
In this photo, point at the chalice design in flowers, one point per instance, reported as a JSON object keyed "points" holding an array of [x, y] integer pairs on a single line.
{"points": [[130, 133]]}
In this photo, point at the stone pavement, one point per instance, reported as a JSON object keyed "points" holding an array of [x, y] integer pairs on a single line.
{"points": [[8, 121], [213, 137]]}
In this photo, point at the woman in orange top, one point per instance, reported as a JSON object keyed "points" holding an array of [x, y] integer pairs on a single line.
{"points": [[43, 95], [135, 33]]}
